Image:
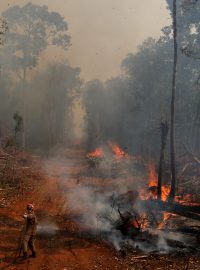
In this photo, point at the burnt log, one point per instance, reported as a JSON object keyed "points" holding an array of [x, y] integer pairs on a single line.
{"points": [[188, 211], [128, 224]]}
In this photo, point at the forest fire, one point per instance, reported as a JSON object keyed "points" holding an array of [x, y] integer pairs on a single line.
{"points": [[118, 152], [151, 193], [141, 211], [166, 217], [97, 153], [153, 181], [107, 154], [108, 158], [115, 149], [165, 189], [167, 212], [152, 175]]}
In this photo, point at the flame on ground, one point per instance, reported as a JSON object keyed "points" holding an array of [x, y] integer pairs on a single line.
{"points": [[165, 192], [166, 217], [118, 152], [153, 184], [98, 153]]}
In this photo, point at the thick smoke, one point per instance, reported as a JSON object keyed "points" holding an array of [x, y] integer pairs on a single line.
{"points": [[94, 203], [128, 109]]}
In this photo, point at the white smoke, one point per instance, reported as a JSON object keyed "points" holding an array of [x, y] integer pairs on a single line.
{"points": [[93, 206], [93, 203], [47, 228]]}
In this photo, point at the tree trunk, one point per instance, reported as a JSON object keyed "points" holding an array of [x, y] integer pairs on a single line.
{"points": [[24, 111], [164, 132], [192, 212], [172, 131]]}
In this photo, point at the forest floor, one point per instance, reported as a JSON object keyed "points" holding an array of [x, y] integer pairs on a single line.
{"points": [[67, 248]]}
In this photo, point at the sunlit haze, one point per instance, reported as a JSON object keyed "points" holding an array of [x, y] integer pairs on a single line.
{"points": [[103, 32]]}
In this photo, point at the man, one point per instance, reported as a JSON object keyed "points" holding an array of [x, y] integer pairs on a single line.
{"points": [[30, 232]]}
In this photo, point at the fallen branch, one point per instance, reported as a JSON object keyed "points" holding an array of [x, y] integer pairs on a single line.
{"points": [[184, 168], [4, 154], [189, 152], [192, 212], [141, 257], [3, 189]]}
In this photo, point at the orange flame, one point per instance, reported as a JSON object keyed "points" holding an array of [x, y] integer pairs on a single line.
{"points": [[165, 192], [152, 175], [151, 193], [96, 153], [119, 153], [166, 217], [153, 182]]}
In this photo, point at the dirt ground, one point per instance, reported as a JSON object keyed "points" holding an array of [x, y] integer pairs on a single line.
{"points": [[67, 247]]}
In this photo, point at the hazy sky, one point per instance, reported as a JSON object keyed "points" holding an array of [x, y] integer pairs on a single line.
{"points": [[103, 32]]}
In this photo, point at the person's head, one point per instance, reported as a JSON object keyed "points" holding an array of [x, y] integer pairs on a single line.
{"points": [[30, 207]]}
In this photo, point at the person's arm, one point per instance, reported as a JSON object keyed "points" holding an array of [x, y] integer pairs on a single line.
{"points": [[25, 216]]}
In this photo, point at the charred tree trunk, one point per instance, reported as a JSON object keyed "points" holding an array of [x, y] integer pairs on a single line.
{"points": [[192, 212], [164, 131], [172, 131]]}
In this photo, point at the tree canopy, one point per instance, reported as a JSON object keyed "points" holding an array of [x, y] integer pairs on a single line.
{"points": [[31, 29]]}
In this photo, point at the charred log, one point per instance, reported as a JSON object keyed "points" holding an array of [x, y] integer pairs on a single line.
{"points": [[192, 212], [127, 224]]}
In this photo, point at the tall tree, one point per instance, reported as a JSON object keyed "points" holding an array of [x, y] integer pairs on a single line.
{"points": [[191, 48], [172, 131], [31, 29], [51, 98], [164, 132]]}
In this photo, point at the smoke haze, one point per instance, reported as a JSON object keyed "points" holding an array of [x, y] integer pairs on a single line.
{"points": [[103, 32]]}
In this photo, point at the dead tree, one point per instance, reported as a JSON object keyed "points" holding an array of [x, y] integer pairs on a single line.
{"points": [[164, 131], [192, 212], [189, 153], [172, 131]]}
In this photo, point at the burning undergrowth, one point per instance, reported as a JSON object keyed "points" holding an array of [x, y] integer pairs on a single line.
{"points": [[110, 160], [121, 220], [123, 210]]}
